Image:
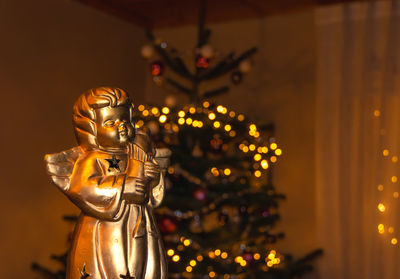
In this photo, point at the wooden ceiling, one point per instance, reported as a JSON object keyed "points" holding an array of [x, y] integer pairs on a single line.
{"points": [[152, 14]]}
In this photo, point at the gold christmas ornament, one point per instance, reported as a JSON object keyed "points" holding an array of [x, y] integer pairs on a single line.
{"points": [[147, 51], [245, 66], [116, 178], [207, 51], [171, 100]]}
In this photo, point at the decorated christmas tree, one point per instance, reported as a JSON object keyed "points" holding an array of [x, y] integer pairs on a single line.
{"points": [[219, 214], [220, 210]]}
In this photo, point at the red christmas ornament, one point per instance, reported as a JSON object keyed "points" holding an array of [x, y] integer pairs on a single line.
{"points": [[157, 68], [202, 62], [200, 194], [167, 224], [248, 256], [265, 213]]}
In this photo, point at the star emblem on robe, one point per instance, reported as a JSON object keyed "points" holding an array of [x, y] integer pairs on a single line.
{"points": [[127, 276], [84, 274], [113, 163]]}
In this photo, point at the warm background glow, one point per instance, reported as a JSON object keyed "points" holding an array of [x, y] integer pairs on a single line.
{"points": [[53, 50]]}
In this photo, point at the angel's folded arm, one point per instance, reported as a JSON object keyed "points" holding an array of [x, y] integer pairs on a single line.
{"points": [[94, 193]]}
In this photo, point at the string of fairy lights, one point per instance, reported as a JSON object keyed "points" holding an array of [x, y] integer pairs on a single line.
{"points": [[272, 259], [263, 153], [221, 120], [382, 206]]}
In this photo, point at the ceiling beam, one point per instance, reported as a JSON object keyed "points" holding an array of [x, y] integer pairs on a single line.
{"points": [[152, 14]]}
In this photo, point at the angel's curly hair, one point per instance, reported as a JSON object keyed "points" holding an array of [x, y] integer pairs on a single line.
{"points": [[84, 115]]}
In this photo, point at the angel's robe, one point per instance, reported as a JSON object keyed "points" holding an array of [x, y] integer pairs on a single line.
{"points": [[112, 239]]}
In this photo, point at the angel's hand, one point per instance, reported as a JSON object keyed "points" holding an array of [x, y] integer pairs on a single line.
{"points": [[136, 190], [152, 172]]}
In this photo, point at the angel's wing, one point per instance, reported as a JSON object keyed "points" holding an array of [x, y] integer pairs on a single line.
{"points": [[60, 165]]}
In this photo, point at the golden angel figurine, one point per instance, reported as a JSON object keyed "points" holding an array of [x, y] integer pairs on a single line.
{"points": [[116, 178]]}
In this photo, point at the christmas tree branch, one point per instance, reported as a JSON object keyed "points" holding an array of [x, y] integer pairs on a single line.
{"points": [[182, 67], [215, 92], [178, 86], [176, 64], [214, 72], [226, 65], [203, 33]]}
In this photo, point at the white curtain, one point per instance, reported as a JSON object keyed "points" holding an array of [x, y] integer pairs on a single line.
{"points": [[357, 122]]}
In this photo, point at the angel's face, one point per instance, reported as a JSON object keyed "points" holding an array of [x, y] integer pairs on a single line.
{"points": [[114, 127]]}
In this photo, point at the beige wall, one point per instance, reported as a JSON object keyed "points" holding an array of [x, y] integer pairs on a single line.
{"points": [[50, 52], [279, 89]]}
